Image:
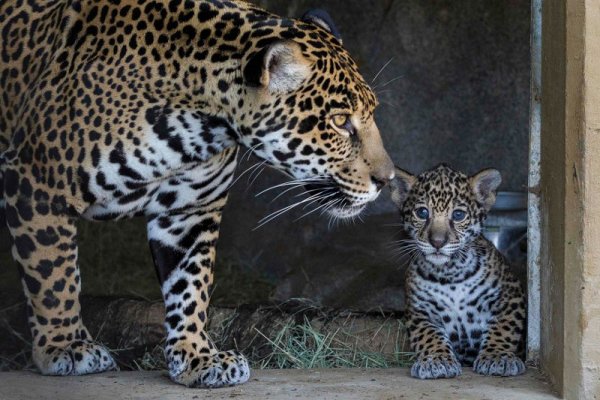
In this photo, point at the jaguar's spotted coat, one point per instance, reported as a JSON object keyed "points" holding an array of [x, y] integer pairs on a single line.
{"points": [[116, 108], [463, 304]]}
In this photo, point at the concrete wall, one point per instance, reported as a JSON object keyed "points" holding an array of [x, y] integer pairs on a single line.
{"points": [[570, 204]]}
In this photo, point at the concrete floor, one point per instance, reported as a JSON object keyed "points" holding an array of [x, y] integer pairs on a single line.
{"points": [[277, 384]]}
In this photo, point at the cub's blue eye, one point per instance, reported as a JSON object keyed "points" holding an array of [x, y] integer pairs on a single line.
{"points": [[458, 215], [422, 213]]}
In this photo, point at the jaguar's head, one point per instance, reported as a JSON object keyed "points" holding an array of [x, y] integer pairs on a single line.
{"points": [[308, 112], [442, 210]]}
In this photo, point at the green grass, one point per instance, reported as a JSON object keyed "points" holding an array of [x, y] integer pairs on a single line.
{"points": [[304, 346]]}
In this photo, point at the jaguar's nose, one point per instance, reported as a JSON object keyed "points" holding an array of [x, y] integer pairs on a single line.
{"points": [[383, 175], [379, 182]]}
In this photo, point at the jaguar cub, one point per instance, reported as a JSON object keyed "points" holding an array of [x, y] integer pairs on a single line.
{"points": [[463, 304]]}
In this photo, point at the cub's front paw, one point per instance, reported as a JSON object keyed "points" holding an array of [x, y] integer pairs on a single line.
{"points": [[78, 358], [498, 364], [435, 366], [225, 368]]}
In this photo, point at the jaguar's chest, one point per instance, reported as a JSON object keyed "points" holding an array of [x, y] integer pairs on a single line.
{"points": [[178, 160], [462, 310], [194, 186], [457, 303]]}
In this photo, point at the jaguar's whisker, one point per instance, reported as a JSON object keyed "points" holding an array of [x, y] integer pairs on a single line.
{"points": [[253, 166], [388, 82], [286, 191], [276, 214], [381, 69], [249, 151], [254, 175], [315, 209], [296, 182]]}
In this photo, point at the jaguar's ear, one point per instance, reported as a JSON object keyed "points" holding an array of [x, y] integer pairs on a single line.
{"points": [[280, 67], [400, 186], [484, 184], [322, 18]]}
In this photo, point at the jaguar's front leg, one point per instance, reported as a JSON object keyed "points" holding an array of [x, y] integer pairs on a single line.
{"points": [[435, 356], [500, 347], [183, 247]]}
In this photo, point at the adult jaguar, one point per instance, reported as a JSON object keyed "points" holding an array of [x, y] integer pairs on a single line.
{"points": [[118, 108]]}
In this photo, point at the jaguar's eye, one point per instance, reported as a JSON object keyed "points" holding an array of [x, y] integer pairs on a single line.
{"points": [[422, 213], [458, 215], [341, 122]]}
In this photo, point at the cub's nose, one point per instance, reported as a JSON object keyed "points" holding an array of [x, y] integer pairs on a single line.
{"points": [[438, 241]]}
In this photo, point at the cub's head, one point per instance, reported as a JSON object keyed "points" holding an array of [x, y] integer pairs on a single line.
{"points": [[442, 210], [308, 112]]}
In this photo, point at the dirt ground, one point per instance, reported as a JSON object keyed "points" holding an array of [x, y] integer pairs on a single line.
{"points": [[277, 384]]}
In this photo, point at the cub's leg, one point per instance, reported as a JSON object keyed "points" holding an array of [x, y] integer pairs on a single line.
{"points": [[435, 356], [183, 247], [498, 354], [45, 250]]}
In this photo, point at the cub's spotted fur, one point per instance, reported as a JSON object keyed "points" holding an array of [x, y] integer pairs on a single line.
{"points": [[111, 109], [463, 305]]}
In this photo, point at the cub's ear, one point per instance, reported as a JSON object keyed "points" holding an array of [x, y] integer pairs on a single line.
{"points": [[484, 184], [322, 18], [400, 186], [280, 67]]}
